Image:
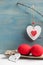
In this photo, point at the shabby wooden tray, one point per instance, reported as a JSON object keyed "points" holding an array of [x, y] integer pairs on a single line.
{"points": [[12, 52], [31, 57]]}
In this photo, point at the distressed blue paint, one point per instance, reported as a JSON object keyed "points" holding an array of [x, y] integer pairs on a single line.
{"points": [[14, 20]]}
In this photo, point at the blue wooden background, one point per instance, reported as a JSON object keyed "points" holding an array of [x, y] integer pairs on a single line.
{"points": [[14, 20]]}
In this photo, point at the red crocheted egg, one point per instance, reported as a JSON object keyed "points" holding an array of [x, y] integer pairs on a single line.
{"points": [[24, 49], [36, 50]]}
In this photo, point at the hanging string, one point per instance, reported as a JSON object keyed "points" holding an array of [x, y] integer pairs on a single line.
{"points": [[33, 21]]}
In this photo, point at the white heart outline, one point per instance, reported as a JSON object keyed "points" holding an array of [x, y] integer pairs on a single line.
{"points": [[30, 28]]}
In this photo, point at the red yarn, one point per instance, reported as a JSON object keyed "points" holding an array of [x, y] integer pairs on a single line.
{"points": [[36, 50], [33, 23], [24, 49]]}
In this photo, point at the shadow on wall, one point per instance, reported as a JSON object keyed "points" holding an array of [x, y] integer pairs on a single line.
{"points": [[27, 37]]}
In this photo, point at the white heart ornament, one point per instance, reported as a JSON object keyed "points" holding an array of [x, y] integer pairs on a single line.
{"points": [[37, 30], [15, 57]]}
